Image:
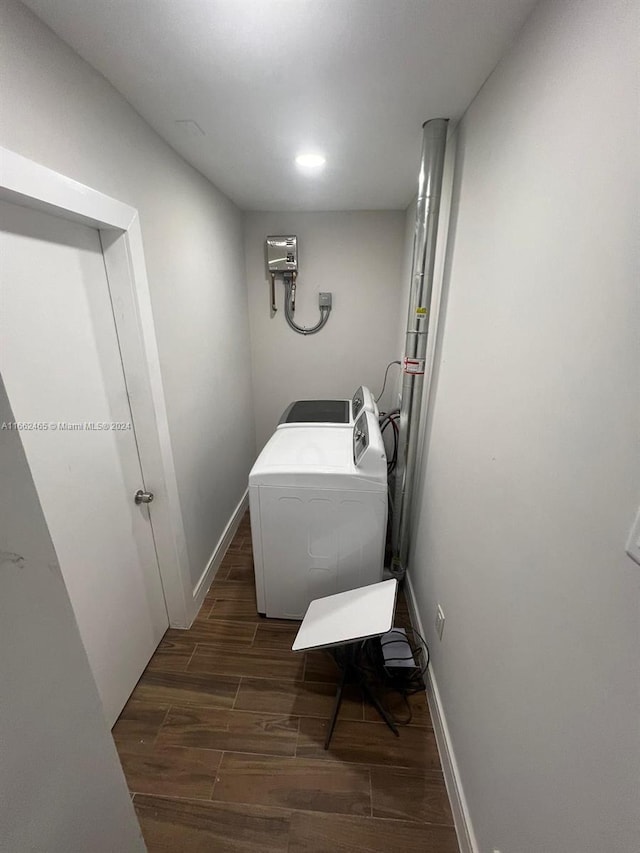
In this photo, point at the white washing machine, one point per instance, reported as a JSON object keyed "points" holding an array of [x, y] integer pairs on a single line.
{"points": [[318, 500], [336, 413]]}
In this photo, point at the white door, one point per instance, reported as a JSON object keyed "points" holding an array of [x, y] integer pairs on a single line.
{"points": [[60, 361]]}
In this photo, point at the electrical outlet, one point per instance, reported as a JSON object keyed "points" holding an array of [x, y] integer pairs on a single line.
{"points": [[324, 300], [439, 621]]}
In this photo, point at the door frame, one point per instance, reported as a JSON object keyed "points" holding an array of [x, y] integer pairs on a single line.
{"points": [[31, 185]]}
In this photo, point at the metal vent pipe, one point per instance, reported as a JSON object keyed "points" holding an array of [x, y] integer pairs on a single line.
{"points": [[434, 135]]}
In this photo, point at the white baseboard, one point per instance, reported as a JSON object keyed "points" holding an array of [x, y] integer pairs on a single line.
{"points": [[202, 587], [461, 818]]}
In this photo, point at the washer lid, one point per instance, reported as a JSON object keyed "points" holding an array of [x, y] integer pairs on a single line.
{"points": [[317, 411], [338, 413]]}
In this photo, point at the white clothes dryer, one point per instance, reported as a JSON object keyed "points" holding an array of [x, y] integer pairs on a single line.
{"points": [[318, 502]]}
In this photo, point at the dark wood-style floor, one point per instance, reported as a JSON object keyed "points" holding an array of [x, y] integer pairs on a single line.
{"points": [[222, 743]]}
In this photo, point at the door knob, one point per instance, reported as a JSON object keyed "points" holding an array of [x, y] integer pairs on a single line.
{"points": [[141, 497]]}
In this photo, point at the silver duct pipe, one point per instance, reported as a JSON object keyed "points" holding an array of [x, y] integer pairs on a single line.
{"points": [[434, 135]]}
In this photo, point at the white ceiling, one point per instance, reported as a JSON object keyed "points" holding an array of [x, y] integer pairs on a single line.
{"points": [[267, 78]]}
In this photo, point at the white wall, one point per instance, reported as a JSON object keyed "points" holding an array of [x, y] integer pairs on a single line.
{"points": [[358, 257], [58, 111], [61, 781], [533, 472]]}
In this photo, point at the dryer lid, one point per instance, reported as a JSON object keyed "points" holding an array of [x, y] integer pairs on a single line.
{"points": [[316, 457]]}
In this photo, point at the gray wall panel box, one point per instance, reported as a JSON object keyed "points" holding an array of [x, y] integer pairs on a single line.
{"points": [[324, 300], [282, 254]]}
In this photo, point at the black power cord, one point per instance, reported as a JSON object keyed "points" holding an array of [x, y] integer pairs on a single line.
{"points": [[386, 419], [405, 681]]}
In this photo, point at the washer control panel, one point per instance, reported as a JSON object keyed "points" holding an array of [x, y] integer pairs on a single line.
{"points": [[360, 437], [357, 403]]}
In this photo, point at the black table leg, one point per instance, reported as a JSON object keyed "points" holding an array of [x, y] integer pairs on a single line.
{"points": [[378, 706], [336, 707], [350, 671]]}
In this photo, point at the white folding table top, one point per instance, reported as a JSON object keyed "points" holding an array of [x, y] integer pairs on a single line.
{"points": [[348, 617]]}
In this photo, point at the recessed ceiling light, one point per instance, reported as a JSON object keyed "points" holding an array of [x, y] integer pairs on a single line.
{"points": [[310, 161]]}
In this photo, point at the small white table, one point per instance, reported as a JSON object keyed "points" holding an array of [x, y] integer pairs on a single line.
{"points": [[343, 621]]}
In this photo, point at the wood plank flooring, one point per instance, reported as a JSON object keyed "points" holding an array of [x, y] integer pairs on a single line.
{"points": [[222, 743]]}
